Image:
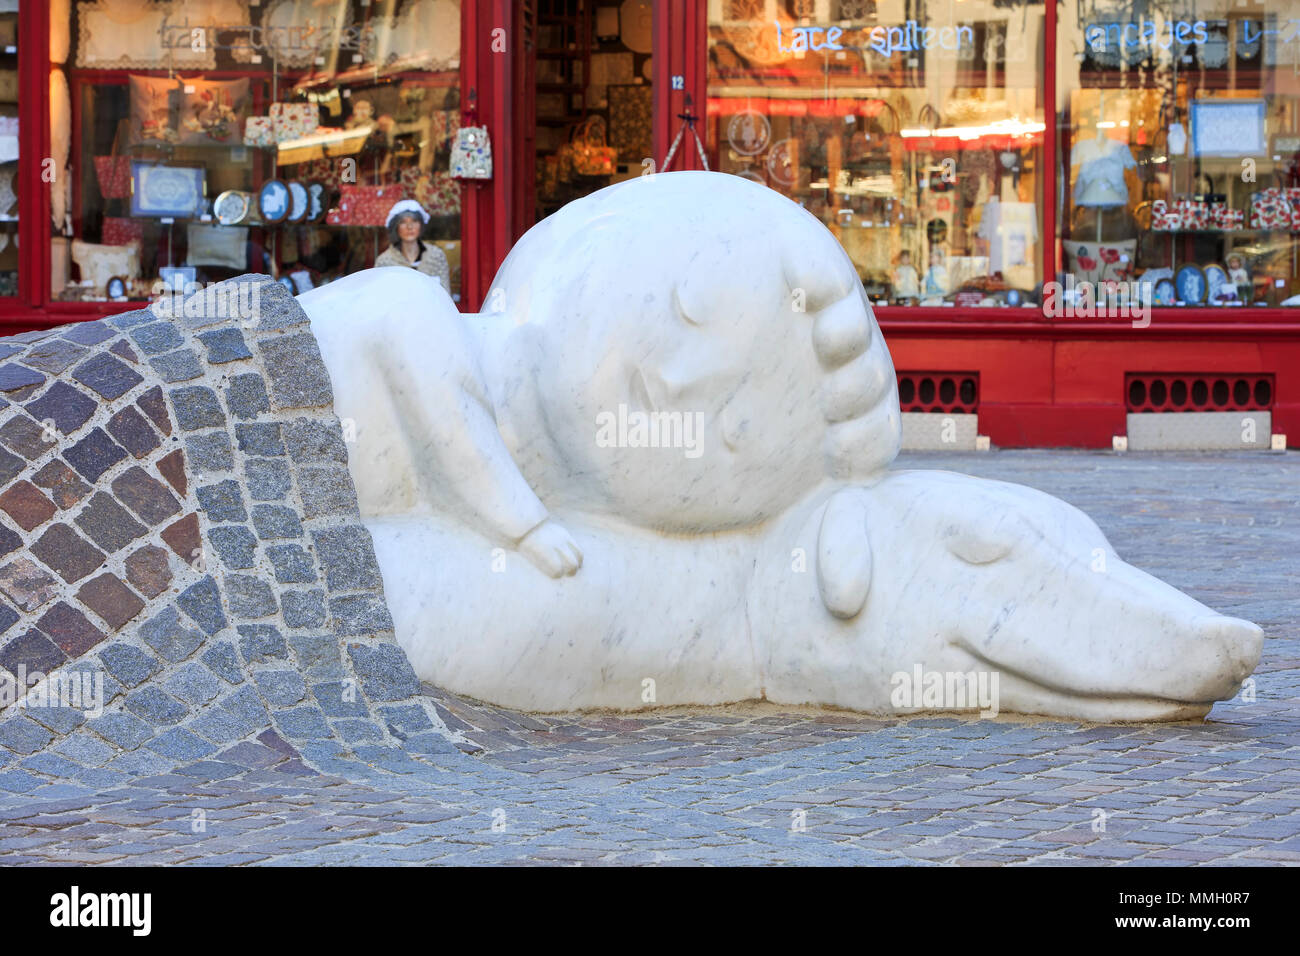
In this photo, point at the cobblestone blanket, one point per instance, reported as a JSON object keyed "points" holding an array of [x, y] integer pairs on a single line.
{"points": [[177, 523]]}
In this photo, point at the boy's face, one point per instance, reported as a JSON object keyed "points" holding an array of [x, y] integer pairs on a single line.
{"points": [[716, 334]]}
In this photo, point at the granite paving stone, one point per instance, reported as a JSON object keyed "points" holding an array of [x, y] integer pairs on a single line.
{"points": [[110, 377], [94, 455]]}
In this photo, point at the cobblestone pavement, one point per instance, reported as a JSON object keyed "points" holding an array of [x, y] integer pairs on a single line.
{"points": [[764, 784]]}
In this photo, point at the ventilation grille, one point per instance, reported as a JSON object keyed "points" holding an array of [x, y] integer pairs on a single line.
{"points": [[1192, 392], [953, 393]]}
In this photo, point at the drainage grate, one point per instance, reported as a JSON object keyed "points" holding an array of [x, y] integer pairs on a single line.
{"points": [[1196, 392], [953, 393]]}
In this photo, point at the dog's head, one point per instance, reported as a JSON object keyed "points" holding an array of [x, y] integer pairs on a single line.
{"points": [[957, 575]]}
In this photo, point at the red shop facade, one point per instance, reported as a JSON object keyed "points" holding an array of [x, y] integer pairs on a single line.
{"points": [[1068, 211]]}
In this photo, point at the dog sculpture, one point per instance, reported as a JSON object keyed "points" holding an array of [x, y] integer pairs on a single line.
{"points": [[678, 408]]}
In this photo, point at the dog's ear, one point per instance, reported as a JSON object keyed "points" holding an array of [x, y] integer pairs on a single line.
{"points": [[983, 537], [844, 554]]}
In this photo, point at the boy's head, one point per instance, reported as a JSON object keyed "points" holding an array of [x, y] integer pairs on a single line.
{"points": [[708, 301]]}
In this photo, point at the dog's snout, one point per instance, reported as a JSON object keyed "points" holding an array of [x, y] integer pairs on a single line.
{"points": [[1241, 642]]}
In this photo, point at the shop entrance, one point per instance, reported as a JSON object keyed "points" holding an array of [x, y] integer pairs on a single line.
{"points": [[587, 95]]}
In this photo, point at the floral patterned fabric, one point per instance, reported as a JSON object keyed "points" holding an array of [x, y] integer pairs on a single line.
{"points": [[364, 205], [114, 175]]}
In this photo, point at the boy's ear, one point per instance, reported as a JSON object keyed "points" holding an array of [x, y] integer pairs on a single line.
{"points": [[844, 554]]}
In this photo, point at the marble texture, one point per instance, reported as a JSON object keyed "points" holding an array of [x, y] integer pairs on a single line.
{"points": [[655, 471]]}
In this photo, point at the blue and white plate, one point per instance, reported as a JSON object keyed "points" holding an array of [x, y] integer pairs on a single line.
{"points": [[1164, 292], [298, 201], [1216, 282], [274, 201], [1190, 284]]}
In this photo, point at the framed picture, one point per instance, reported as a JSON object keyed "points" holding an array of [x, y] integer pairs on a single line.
{"points": [[116, 288], [1190, 285], [630, 114], [1164, 293], [274, 201], [1228, 127], [1219, 291], [166, 192]]}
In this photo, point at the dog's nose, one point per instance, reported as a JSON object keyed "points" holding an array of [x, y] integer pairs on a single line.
{"points": [[1241, 642]]}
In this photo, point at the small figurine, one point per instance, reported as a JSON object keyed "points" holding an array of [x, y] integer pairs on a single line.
{"points": [[906, 282], [363, 114], [1239, 277], [936, 277]]}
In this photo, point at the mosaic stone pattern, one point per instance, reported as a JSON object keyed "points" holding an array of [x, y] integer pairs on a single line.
{"points": [[177, 520]]}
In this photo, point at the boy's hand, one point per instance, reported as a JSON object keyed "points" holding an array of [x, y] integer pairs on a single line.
{"points": [[552, 549]]}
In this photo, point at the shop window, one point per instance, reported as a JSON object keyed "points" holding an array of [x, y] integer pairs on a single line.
{"points": [[1180, 149], [593, 100], [210, 138], [916, 137]]}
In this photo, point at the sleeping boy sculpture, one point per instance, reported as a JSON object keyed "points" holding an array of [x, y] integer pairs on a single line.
{"points": [[655, 472]]}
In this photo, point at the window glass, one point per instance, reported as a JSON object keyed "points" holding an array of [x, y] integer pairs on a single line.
{"points": [[1179, 139], [913, 131], [211, 138], [592, 97]]}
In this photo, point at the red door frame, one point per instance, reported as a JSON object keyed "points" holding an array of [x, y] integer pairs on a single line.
{"points": [[488, 40], [33, 194], [680, 50]]}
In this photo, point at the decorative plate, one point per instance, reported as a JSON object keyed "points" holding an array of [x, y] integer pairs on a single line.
{"points": [[299, 202], [232, 206], [779, 166], [749, 132], [1164, 293], [315, 200], [1216, 281], [274, 201], [1190, 285], [636, 23]]}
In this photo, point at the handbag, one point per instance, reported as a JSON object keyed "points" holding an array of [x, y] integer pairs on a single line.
{"points": [[439, 193], [471, 153], [258, 131], [364, 205], [591, 156], [293, 120]]}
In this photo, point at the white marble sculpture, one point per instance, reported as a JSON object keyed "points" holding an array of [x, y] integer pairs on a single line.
{"points": [[654, 471]]}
